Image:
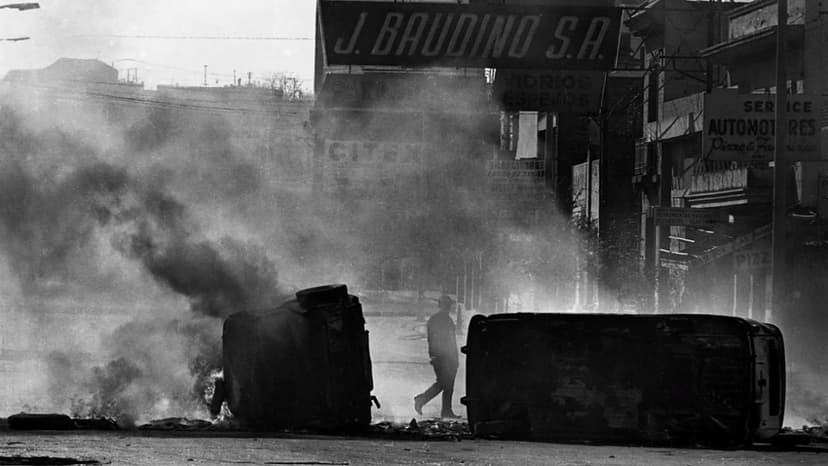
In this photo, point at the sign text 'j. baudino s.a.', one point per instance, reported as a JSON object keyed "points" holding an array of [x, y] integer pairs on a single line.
{"points": [[498, 36]]}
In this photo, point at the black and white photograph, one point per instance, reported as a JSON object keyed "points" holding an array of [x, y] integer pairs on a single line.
{"points": [[414, 232]]}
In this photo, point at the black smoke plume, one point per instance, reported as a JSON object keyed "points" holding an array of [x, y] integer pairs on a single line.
{"points": [[61, 199]]}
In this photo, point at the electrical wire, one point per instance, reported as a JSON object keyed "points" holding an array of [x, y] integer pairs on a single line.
{"points": [[174, 37]]}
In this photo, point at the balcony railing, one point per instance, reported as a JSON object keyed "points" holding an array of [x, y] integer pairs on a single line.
{"points": [[527, 167]]}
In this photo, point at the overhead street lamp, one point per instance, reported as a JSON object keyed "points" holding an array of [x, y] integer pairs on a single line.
{"points": [[19, 7], [22, 6]]}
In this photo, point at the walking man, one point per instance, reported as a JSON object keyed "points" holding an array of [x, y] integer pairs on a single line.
{"points": [[442, 349]]}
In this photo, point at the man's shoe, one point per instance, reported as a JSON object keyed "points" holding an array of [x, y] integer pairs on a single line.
{"points": [[449, 415], [418, 405]]}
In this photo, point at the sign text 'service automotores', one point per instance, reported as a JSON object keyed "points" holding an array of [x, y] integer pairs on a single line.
{"points": [[513, 36], [743, 126]]}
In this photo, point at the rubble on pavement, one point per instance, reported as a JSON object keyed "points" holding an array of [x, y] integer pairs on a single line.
{"points": [[176, 423], [55, 421], [186, 424], [430, 429]]}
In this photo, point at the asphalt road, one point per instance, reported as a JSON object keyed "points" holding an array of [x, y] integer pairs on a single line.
{"points": [[161, 448]]}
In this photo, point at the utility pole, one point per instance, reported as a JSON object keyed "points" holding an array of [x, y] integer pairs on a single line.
{"points": [[205, 75], [781, 168]]}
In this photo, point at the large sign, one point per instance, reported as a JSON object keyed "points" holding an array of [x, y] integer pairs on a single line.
{"points": [[742, 127], [480, 35], [549, 91]]}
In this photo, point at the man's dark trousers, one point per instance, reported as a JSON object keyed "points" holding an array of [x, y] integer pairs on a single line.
{"points": [[446, 371]]}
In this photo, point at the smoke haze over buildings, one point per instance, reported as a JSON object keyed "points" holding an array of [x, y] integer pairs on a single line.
{"points": [[165, 218]]}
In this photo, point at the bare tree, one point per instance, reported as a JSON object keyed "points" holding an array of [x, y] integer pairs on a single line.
{"points": [[287, 85]]}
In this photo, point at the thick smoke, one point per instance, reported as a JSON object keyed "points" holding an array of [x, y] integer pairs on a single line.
{"points": [[45, 225], [81, 226], [165, 220]]}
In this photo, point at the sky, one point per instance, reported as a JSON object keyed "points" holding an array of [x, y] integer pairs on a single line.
{"points": [[262, 37]]}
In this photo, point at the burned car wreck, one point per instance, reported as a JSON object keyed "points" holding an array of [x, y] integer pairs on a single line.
{"points": [[304, 364]]}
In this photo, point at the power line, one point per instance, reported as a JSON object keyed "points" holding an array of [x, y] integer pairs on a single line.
{"points": [[168, 37], [174, 68]]}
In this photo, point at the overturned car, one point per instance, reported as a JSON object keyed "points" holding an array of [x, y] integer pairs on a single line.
{"points": [[686, 379], [304, 364]]}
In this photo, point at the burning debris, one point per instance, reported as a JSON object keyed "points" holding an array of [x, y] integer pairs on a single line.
{"points": [[155, 369], [432, 429], [177, 423]]}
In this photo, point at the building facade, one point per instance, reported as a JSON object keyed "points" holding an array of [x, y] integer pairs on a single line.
{"points": [[704, 167]]}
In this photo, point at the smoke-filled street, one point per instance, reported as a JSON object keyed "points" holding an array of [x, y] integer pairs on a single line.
{"points": [[419, 232]]}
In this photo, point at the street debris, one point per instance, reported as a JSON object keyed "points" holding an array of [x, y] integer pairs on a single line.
{"points": [[28, 421], [101, 423], [44, 460], [430, 429], [177, 423], [814, 433]]}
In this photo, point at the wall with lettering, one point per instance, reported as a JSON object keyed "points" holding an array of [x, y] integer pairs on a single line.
{"points": [[372, 169]]}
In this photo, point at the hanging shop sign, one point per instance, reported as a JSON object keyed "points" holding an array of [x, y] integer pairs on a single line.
{"points": [[478, 35], [549, 91], [742, 127], [739, 243]]}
